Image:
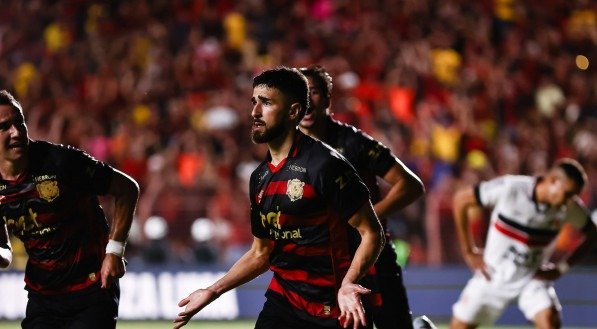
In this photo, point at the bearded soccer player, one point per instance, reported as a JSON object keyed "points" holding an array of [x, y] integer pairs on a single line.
{"points": [[305, 197], [528, 213], [49, 200], [388, 303]]}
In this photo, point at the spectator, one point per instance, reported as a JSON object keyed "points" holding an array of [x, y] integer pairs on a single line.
{"points": [[472, 75]]}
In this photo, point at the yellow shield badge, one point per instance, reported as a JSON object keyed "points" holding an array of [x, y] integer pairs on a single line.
{"points": [[294, 190], [48, 190]]}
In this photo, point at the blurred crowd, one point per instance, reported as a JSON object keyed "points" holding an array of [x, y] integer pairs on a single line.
{"points": [[459, 90]]}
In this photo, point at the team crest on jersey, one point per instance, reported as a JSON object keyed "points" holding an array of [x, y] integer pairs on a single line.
{"points": [[48, 190], [294, 190]]}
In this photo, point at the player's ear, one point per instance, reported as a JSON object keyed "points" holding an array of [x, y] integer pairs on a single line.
{"points": [[295, 110]]}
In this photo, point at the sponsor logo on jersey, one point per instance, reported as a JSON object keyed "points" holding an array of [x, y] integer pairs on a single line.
{"points": [[271, 219], [374, 152], [344, 179], [297, 168], [27, 225], [272, 222]]}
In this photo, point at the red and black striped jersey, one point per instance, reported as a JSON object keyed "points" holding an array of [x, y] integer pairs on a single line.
{"points": [[303, 204], [54, 210]]}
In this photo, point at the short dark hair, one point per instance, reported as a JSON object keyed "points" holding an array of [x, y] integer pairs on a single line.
{"points": [[321, 78], [6, 98], [290, 81], [573, 170]]}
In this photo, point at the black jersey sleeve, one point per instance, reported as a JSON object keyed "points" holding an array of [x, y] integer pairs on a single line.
{"points": [[370, 154], [257, 228], [364, 152], [88, 172], [341, 186], [379, 158]]}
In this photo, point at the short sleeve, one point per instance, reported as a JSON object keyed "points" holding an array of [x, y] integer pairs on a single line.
{"points": [[489, 192], [341, 187], [376, 157], [88, 172], [257, 228]]}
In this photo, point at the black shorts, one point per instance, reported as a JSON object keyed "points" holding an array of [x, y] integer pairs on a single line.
{"points": [[93, 308], [394, 312], [275, 316]]}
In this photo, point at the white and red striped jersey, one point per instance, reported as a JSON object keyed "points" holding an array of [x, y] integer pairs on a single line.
{"points": [[522, 232]]}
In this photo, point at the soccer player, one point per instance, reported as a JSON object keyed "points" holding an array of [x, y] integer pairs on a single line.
{"points": [[389, 302], [49, 200], [305, 197], [528, 212]]}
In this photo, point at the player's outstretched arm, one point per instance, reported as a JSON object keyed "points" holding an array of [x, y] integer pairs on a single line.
{"points": [[473, 256], [125, 191], [551, 271], [5, 248], [365, 221], [253, 263], [589, 231]]}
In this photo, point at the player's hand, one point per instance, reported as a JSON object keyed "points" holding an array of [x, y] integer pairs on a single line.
{"points": [[548, 272], [474, 260], [194, 303], [351, 308], [113, 267]]}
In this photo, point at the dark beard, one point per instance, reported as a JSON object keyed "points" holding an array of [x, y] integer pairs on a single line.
{"points": [[269, 134]]}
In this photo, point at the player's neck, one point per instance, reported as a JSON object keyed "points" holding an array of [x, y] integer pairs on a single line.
{"points": [[541, 192], [12, 170], [317, 130], [280, 147]]}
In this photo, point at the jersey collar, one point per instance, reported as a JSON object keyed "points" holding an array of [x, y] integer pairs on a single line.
{"points": [[294, 151]]}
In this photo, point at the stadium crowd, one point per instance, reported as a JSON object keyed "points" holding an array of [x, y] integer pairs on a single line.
{"points": [[460, 90]]}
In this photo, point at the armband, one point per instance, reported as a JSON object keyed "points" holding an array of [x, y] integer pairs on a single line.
{"points": [[563, 267], [115, 247]]}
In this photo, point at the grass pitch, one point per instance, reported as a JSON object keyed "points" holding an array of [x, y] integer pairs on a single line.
{"points": [[194, 324], [201, 324]]}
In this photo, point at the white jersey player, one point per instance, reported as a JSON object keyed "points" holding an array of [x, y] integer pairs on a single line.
{"points": [[528, 213]]}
